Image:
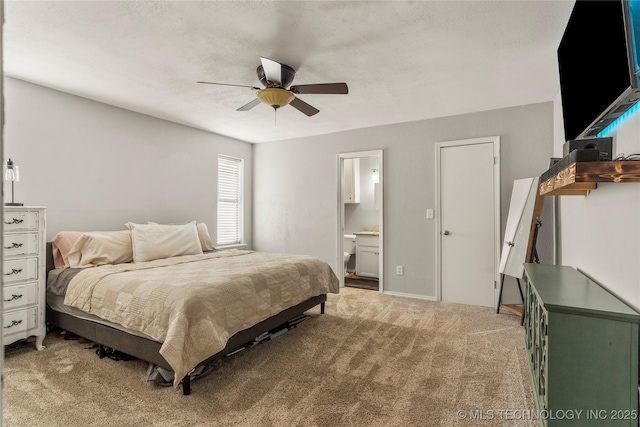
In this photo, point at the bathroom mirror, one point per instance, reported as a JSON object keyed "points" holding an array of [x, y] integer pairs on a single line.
{"points": [[360, 229]]}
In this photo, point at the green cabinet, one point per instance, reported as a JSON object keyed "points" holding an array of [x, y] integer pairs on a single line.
{"points": [[581, 344]]}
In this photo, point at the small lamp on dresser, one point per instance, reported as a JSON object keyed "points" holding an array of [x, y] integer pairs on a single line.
{"points": [[12, 173]]}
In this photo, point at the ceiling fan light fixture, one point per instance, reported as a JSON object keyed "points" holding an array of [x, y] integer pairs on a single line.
{"points": [[276, 78], [275, 97]]}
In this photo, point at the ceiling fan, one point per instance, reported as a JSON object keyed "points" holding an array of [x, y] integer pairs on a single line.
{"points": [[276, 78]]}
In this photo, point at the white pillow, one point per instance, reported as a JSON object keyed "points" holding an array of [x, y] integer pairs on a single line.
{"points": [[156, 241], [203, 235], [100, 248]]}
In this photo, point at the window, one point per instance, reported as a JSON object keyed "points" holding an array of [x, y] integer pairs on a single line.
{"points": [[229, 201]]}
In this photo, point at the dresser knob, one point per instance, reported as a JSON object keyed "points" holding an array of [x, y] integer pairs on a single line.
{"points": [[13, 323], [13, 246], [13, 297], [14, 271], [15, 221]]}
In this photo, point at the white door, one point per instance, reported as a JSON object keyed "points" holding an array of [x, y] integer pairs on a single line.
{"points": [[468, 220]]}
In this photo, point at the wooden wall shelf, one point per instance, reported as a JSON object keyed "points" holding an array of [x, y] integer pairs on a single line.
{"points": [[579, 178]]}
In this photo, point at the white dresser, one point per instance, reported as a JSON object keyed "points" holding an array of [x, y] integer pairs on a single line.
{"points": [[23, 274]]}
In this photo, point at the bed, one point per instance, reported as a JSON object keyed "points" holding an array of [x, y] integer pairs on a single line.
{"points": [[183, 312]]}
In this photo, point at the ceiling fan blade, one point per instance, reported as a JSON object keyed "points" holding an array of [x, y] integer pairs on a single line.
{"points": [[249, 106], [302, 106], [272, 70], [227, 84], [324, 88]]}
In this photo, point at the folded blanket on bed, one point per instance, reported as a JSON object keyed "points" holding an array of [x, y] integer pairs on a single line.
{"points": [[194, 303]]}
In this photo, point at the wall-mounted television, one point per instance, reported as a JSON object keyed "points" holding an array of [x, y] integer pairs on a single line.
{"points": [[598, 64]]}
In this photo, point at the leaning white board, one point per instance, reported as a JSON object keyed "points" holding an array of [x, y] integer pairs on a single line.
{"points": [[517, 232]]}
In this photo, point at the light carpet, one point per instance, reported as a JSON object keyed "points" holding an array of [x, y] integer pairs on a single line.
{"points": [[371, 360]]}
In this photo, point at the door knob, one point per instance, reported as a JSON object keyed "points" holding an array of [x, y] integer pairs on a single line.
{"points": [[446, 232]]}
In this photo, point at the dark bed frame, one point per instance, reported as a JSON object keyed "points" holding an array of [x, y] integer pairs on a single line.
{"points": [[149, 350]]}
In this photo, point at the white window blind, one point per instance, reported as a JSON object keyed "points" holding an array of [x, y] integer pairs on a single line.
{"points": [[229, 201]]}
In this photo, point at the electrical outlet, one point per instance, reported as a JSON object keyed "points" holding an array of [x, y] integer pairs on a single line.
{"points": [[399, 270], [429, 213]]}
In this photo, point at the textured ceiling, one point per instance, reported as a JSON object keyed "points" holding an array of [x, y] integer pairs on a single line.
{"points": [[403, 60]]}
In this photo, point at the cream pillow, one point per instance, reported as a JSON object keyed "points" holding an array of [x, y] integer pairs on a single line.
{"points": [[100, 248], [205, 238], [203, 235], [157, 241]]}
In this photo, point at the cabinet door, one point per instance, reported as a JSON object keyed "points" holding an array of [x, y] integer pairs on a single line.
{"points": [[351, 187], [367, 261]]}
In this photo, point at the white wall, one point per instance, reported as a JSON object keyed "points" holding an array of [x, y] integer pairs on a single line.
{"points": [[295, 185], [95, 166], [600, 232]]}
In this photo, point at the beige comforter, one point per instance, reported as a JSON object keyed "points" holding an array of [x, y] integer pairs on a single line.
{"points": [[193, 304]]}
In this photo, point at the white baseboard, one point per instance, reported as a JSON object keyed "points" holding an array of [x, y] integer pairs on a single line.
{"points": [[401, 294]]}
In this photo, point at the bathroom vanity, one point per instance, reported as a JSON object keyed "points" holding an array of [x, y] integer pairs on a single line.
{"points": [[367, 253]]}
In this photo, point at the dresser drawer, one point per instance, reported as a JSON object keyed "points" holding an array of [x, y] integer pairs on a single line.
{"points": [[15, 324], [16, 296], [21, 244], [20, 270], [21, 221]]}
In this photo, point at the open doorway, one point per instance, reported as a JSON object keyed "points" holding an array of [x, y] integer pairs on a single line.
{"points": [[360, 212]]}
